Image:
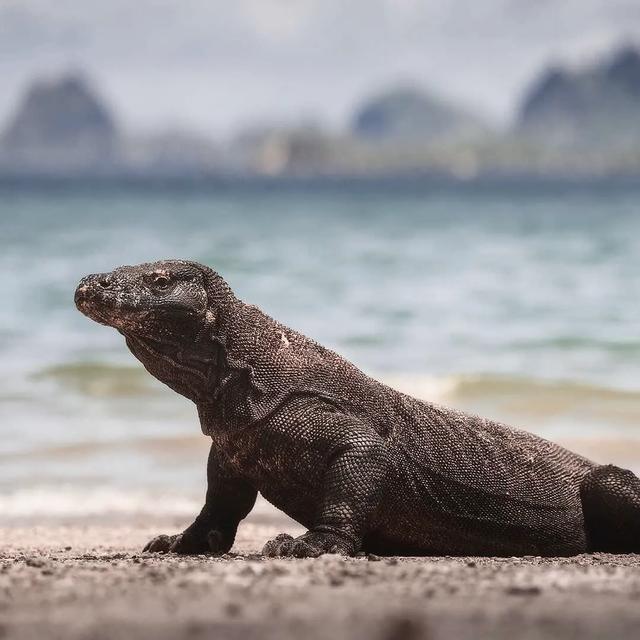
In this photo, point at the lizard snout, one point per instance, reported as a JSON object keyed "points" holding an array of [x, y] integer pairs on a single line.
{"points": [[89, 288]]}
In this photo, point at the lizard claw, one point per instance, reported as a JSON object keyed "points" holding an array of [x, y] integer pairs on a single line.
{"points": [[161, 544], [189, 543], [310, 545], [278, 546]]}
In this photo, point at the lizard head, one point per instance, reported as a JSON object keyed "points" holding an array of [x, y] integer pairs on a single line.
{"points": [[166, 300]]}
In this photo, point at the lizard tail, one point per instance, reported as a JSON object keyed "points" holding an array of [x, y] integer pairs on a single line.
{"points": [[611, 507]]}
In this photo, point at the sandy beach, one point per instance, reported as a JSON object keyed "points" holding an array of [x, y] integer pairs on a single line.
{"points": [[74, 580]]}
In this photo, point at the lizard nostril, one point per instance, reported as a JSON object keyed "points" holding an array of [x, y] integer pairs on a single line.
{"points": [[104, 283]]}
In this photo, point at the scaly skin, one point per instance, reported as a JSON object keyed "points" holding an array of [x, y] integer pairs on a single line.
{"points": [[362, 466]]}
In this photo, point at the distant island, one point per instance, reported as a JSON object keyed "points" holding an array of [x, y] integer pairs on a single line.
{"points": [[574, 123], [595, 108], [407, 114]]}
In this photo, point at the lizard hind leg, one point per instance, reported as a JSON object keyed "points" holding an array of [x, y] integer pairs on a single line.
{"points": [[611, 505]]}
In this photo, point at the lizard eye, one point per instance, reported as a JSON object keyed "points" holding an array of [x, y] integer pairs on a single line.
{"points": [[160, 281]]}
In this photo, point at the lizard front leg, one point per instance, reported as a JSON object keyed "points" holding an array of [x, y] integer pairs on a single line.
{"points": [[355, 468], [229, 500]]}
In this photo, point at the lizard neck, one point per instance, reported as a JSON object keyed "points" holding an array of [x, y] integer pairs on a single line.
{"points": [[192, 368], [214, 369]]}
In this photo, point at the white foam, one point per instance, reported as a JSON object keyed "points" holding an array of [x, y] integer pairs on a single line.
{"points": [[429, 388], [73, 501]]}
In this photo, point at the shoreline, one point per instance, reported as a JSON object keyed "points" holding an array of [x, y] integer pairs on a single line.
{"points": [[90, 580]]}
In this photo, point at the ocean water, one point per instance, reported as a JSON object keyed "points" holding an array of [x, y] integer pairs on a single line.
{"points": [[519, 303]]}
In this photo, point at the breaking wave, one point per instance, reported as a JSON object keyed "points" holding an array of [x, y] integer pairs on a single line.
{"points": [[110, 503], [103, 379], [100, 380]]}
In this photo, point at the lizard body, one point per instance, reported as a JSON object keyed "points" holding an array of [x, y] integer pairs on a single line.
{"points": [[361, 465]]}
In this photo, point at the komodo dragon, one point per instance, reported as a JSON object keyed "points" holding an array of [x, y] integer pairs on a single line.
{"points": [[363, 467]]}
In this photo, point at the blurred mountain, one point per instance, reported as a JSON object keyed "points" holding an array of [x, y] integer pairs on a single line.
{"points": [[60, 126], [596, 107], [409, 114], [571, 124]]}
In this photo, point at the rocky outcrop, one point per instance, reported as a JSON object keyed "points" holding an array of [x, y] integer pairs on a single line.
{"points": [[595, 107], [408, 114], [60, 127]]}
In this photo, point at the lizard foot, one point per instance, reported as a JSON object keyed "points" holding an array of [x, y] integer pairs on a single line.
{"points": [[310, 545], [189, 544]]}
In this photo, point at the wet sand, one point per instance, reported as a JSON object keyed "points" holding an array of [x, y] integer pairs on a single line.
{"points": [[91, 581]]}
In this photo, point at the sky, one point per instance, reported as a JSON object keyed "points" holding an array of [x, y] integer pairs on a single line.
{"points": [[217, 66]]}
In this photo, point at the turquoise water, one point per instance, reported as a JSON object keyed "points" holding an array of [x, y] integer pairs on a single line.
{"points": [[518, 303]]}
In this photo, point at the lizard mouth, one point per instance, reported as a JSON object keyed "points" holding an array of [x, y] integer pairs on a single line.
{"points": [[95, 299], [95, 307], [87, 299]]}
